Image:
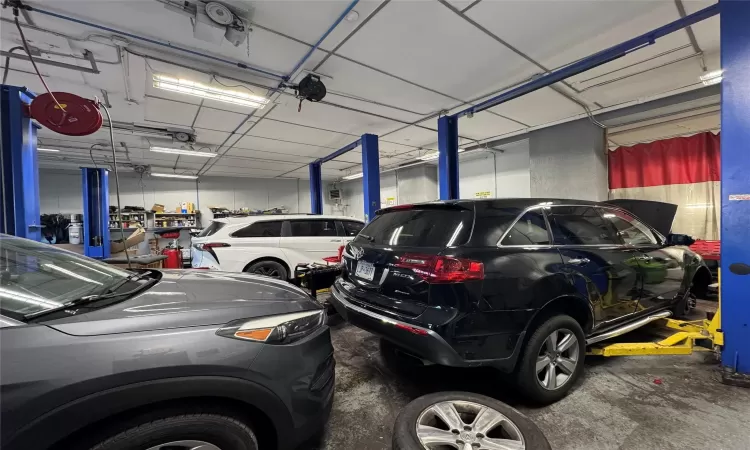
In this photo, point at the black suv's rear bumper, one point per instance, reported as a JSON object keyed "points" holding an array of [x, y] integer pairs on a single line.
{"points": [[421, 342]]}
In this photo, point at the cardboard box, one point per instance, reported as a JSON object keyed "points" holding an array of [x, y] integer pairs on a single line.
{"points": [[135, 238], [157, 208]]}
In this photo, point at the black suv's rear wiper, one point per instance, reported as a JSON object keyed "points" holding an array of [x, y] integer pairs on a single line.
{"points": [[109, 293], [366, 237]]}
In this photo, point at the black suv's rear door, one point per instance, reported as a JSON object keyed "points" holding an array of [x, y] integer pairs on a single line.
{"points": [[604, 269], [383, 262]]}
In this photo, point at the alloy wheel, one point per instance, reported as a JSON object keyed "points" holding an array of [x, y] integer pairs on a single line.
{"points": [[185, 445], [557, 359], [466, 425]]}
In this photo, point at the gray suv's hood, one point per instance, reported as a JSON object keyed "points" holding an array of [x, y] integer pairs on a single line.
{"points": [[188, 298]]}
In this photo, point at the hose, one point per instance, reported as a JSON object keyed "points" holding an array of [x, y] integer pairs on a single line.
{"points": [[117, 182]]}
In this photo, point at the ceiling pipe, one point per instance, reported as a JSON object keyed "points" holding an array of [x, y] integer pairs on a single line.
{"points": [[241, 65]]}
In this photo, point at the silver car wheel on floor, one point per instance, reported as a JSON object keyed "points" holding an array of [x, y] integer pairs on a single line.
{"points": [[557, 359], [185, 445], [471, 427]]}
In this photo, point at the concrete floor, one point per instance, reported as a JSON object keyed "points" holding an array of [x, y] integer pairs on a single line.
{"points": [[617, 404]]}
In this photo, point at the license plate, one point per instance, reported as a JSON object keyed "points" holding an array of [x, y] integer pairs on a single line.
{"points": [[365, 270]]}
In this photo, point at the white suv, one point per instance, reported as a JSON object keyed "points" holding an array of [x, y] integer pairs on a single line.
{"points": [[271, 245]]}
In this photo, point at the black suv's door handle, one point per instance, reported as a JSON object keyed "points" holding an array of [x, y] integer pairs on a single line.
{"points": [[578, 261]]}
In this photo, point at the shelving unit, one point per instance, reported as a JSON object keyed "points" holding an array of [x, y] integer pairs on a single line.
{"points": [[131, 219], [176, 220]]}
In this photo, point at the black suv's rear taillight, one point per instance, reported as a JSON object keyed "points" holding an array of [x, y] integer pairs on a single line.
{"points": [[442, 269]]}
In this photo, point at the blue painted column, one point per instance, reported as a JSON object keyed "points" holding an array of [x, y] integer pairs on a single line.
{"points": [[95, 183], [19, 215], [316, 189], [735, 187], [448, 157], [370, 175]]}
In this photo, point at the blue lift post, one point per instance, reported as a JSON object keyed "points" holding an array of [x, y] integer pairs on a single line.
{"points": [[735, 189], [370, 175], [447, 143], [95, 212], [316, 189], [20, 169], [448, 157]]}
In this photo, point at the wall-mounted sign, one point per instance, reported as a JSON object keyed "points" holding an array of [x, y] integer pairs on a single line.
{"points": [[739, 197], [390, 201], [483, 194]]}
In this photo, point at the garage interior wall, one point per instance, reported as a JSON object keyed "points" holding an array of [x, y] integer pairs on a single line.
{"points": [[569, 161], [61, 192], [503, 172]]}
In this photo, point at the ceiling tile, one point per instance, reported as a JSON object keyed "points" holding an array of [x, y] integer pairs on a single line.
{"points": [[425, 42]]}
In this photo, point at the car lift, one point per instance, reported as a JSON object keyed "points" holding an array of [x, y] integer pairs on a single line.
{"points": [[370, 175], [692, 336]]}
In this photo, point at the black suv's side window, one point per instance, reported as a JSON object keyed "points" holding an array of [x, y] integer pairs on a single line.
{"points": [[630, 229], [581, 225], [260, 229], [530, 229]]}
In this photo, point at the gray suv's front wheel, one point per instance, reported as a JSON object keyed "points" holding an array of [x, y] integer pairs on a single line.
{"points": [[184, 432], [552, 360]]}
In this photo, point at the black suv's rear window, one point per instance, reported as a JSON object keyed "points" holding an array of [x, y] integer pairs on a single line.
{"points": [[419, 228], [212, 228]]}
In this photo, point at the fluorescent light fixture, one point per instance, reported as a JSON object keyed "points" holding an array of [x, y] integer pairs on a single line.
{"points": [[181, 151], [713, 77], [205, 91], [354, 176], [174, 175], [435, 155], [48, 150]]}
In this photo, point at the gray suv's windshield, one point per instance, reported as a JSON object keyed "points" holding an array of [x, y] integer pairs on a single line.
{"points": [[35, 277]]}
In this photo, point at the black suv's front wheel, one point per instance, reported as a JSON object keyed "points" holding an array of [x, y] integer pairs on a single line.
{"points": [[552, 360]]}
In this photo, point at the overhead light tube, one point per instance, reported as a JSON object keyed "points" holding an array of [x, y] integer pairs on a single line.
{"points": [[713, 77], [48, 150], [182, 151], [435, 155], [174, 175], [201, 90], [353, 176]]}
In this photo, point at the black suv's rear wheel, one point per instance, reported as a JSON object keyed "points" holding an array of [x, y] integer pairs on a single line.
{"points": [[184, 432], [552, 360]]}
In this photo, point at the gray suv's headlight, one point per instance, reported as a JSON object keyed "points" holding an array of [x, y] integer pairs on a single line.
{"points": [[281, 329]]}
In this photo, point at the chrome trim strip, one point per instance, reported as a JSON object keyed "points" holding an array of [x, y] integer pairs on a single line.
{"points": [[628, 327], [348, 305]]}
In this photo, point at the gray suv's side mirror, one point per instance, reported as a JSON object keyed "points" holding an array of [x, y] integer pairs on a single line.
{"points": [[680, 239]]}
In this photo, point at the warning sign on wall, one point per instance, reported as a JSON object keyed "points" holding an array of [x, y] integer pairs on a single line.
{"points": [[483, 194]]}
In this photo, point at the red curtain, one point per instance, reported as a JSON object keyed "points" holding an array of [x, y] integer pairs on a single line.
{"points": [[693, 159]]}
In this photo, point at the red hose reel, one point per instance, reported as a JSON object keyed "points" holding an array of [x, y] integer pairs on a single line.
{"points": [[78, 116]]}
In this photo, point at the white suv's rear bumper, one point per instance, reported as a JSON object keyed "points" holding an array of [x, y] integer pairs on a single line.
{"points": [[203, 260]]}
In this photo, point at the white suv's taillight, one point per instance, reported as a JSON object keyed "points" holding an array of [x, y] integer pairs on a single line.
{"points": [[281, 329]]}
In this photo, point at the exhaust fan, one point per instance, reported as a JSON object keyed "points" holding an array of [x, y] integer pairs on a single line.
{"points": [[215, 21]]}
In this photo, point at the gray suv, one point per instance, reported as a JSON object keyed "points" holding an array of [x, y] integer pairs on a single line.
{"points": [[96, 357]]}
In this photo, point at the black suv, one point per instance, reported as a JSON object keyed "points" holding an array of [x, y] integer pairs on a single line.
{"points": [[523, 285]]}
